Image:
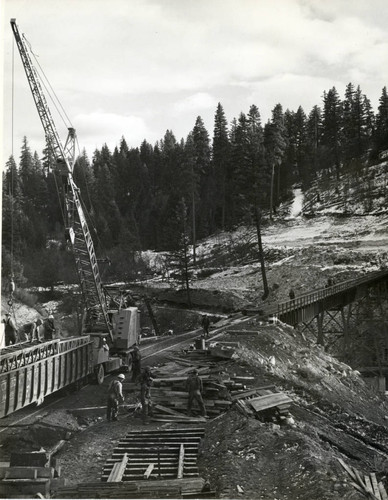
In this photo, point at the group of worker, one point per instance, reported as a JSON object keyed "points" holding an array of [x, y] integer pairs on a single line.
{"points": [[36, 330], [194, 388]]}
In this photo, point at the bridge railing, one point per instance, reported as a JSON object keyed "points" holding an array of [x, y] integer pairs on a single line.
{"points": [[318, 295]]}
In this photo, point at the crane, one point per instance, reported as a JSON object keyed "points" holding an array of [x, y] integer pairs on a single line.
{"points": [[77, 231]]}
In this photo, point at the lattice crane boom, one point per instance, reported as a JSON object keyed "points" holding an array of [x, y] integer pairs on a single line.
{"points": [[77, 230]]}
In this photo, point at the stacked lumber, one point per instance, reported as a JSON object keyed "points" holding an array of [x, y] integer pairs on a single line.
{"points": [[263, 402], [25, 480], [170, 397], [367, 485]]}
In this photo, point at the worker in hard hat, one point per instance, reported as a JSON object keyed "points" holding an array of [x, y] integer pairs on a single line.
{"points": [[115, 397], [49, 328], [194, 387], [104, 344]]}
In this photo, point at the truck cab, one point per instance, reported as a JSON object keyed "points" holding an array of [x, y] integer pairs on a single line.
{"points": [[108, 356]]}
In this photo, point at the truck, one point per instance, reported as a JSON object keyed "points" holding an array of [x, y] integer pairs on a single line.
{"points": [[28, 372]]}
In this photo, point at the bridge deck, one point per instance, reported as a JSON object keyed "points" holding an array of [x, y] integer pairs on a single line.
{"points": [[306, 307]]}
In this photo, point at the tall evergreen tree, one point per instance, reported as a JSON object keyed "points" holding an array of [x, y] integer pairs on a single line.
{"points": [[381, 133], [275, 143], [332, 127], [313, 140], [203, 178], [221, 148]]}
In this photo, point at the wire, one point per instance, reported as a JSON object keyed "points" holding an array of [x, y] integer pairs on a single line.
{"points": [[49, 89], [12, 169]]}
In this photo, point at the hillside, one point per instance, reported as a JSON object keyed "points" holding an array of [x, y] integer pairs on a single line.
{"points": [[334, 414]]}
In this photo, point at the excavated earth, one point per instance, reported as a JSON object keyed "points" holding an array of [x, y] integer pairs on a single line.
{"points": [[334, 412]]}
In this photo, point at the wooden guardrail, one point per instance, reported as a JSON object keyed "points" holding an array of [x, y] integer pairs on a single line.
{"points": [[317, 301]]}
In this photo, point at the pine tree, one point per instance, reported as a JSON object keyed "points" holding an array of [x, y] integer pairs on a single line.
{"points": [[221, 148], [381, 133], [313, 140], [332, 127], [203, 176], [275, 143]]}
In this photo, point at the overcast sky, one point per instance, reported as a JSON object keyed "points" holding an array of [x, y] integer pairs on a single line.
{"points": [[136, 68]]}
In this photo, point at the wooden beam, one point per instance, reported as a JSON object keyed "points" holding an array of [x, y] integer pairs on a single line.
{"points": [[181, 461], [148, 471], [118, 470], [375, 486]]}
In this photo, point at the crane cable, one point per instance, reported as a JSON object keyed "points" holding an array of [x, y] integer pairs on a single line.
{"points": [[11, 192], [49, 89]]}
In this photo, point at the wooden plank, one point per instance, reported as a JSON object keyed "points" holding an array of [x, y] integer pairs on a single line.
{"points": [[348, 469], [251, 392], [168, 410], [359, 478], [181, 461], [375, 486], [114, 473], [148, 471], [382, 491], [368, 484], [269, 401], [118, 470]]}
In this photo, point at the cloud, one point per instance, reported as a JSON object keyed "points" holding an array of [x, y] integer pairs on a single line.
{"points": [[164, 62], [97, 128], [198, 101]]}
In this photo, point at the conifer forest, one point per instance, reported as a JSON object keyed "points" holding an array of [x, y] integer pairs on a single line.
{"points": [[160, 196]]}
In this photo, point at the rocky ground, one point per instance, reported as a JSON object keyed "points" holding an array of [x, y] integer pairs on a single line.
{"points": [[334, 413]]}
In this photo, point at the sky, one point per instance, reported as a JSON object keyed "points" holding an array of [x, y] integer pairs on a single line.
{"points": [[135, 68]]}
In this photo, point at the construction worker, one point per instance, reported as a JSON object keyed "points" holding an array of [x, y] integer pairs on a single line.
{"points": [[194, 387], [10, 330], [30, 331], [104, 344], [136, 363], [115, 397], [49, 328], [146, 381], [34, 332], [205, 325]]}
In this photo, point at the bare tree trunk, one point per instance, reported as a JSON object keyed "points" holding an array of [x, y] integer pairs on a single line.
{"points": [[194, 232], [261, 253], [187, 281], [271, 195]]}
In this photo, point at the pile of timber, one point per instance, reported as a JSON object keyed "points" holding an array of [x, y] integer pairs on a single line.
{"points": [[30, 473], [367, 485], [263, 403], [170, 397], [159, 488]]}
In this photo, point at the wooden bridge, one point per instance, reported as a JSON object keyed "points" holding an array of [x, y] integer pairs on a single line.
{"points": [[307, 307]]}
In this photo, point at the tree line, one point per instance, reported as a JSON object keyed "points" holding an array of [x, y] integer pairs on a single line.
{"points": [[169, 195]]}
